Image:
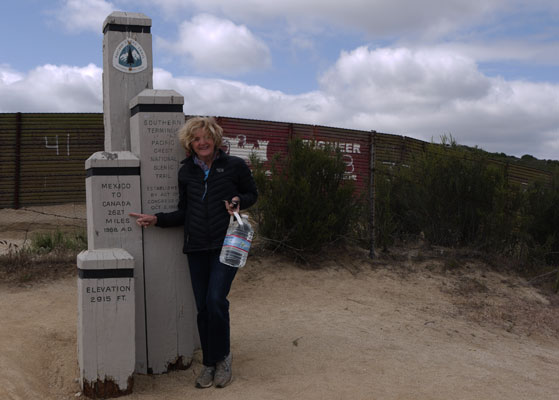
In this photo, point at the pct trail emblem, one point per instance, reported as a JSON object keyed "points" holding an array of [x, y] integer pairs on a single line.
{"points": [[129, 56]]}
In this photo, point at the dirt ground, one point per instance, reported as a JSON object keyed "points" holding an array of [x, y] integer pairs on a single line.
{"points": [[414, 324]]}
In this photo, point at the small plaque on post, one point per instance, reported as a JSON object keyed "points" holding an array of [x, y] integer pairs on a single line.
{"points": [[130, 57]]}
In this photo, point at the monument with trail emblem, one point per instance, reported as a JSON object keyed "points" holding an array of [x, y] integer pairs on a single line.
{"points": [[136, 311]]}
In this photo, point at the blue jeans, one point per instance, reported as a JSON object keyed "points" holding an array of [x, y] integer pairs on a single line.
{"points": [[211, 282]]}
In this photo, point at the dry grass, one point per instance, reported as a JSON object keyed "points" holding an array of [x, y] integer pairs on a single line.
{"points": [[20, 268]]}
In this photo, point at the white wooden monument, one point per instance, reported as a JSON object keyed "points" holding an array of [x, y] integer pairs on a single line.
{"points": [[156, 117], [136, 311]]}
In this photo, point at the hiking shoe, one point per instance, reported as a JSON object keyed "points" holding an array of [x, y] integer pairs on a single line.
{"points": [[206, 377], [223, 373]]}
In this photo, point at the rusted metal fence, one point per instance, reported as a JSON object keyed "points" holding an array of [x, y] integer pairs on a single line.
{"points": [[42, 156]]}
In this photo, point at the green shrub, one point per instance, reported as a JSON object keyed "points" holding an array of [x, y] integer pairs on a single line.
{"points": [[386, 224], [57, 240], [304, 202], [541, 221], [457, 197]]}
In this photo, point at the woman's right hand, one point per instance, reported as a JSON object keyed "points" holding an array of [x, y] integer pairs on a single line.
{"points": [[144, 220], [234, 205]]}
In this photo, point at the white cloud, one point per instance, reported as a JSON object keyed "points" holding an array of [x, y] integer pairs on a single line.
{"points": [[422, 94], [84, 15], [218, 45], [236, 99], [483, 25], [427, 93], [386, 79], [537, 52], [430, 17], [9, 75], [52, 88]]}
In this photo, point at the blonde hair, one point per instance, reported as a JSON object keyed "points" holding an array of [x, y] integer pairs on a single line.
{"points": [[209, 124]]}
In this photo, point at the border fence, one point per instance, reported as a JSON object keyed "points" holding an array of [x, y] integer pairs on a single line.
{"points": [[42, 155]]}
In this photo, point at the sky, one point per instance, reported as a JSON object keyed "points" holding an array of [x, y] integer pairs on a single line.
{"points": [[485, 72]]}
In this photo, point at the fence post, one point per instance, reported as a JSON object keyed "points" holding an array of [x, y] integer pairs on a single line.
{"points": [[372, 194], [17, 161]]}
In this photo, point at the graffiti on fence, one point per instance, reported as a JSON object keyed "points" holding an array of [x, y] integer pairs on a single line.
{"points": [[348, 148], [238, 146], [56, 145]]}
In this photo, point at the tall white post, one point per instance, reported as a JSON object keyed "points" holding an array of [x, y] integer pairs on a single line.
{"points": [[127, 70], [170, 309]]}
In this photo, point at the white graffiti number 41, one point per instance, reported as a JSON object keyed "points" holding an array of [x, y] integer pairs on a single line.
{"points": [[56, 146]]}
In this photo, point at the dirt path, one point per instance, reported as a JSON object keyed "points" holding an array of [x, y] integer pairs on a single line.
{"points": [[352, 330]]}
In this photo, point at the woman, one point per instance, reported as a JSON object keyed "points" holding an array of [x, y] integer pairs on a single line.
{"points": [[212, 185]]}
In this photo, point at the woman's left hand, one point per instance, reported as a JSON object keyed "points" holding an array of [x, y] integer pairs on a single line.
{"points": [[234, 205]]}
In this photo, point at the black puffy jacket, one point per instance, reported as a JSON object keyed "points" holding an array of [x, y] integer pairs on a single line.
{"points": [[206, 220]]}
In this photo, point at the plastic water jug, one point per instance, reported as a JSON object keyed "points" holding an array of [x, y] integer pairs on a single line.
{"points": [[237, 242]]}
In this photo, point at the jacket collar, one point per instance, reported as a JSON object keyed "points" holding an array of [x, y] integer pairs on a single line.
{"points": [[222, 156]]}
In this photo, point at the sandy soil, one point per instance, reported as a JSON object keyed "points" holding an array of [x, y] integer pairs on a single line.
{"points": [[407, 326]]}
